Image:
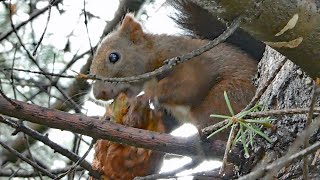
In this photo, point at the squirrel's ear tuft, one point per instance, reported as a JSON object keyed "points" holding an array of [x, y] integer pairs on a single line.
{"points": [[131, 28]]}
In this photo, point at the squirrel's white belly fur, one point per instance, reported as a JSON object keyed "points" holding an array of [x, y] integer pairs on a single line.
{"points": [[180, 112]]}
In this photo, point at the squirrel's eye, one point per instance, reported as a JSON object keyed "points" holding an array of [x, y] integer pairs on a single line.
{"points": [[114, 57]]}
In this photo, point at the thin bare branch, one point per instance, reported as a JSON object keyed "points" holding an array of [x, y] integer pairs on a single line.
{"points": [[4, 35], [313, 102], [33, 164], [26, 174], [30, 153], [57, 148], [281, 162], [45, 29], [8, 99], [80, 85], [86, 24], [170, 63], [195, 162], [282, 112], [78, 162]]}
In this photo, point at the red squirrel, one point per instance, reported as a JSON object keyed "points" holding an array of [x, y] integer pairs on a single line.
{"points": [[191, 91]]}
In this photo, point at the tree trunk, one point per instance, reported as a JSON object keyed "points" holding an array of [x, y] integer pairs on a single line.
{"points": [[290, 89]]}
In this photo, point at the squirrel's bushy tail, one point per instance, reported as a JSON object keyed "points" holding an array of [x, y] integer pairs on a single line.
{"points": [[200, 23]]}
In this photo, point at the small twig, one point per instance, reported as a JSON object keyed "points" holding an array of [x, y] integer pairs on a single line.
{"points": [[57, 75], [4, 35], [231, 137], [316, 156], [50, 87], [86, 24], [75, 149], [314, 96], [33, 164], [30, 154], [80, 176], [26, 174], [38, 66], [195, 162], [281, 162], [21, 43], [11, 74], [209, 174], [13, 174], [45, 140], [8, 99], [45, 29], [78, 136], [78, 162], [22, 94], [282, 112], [76, 106], [41, 73], [169, 63], [65, 95]]}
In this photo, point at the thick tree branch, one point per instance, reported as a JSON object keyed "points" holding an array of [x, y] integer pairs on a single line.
{"points": [[106, 129]]}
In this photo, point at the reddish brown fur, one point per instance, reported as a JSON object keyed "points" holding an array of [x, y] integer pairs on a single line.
{"points": [[192, 90]]}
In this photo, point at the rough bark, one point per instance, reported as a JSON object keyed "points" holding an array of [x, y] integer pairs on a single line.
{"points": [[111, 131], [291, 89]]}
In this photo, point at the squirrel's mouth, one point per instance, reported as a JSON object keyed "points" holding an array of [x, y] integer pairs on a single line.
{"points": [[111, 92]]}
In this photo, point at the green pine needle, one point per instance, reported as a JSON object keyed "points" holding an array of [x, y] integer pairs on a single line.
{"points": [[256, 130], [244, 142], [219, 130], [220, 116], [228, 103], [247, 127]]}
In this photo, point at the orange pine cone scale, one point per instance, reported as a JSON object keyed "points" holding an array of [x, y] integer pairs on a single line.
{"points": [[116, 161]]}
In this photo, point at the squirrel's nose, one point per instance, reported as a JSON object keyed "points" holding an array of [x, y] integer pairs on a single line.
{"points": [[103, 92]]}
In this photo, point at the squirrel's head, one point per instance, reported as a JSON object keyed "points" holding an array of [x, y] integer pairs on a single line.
{"points": [[124, 52]]}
